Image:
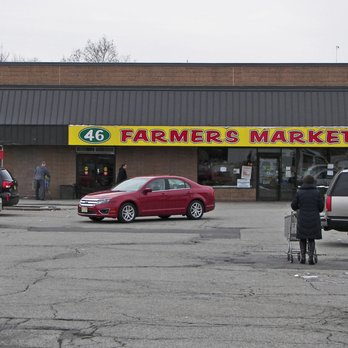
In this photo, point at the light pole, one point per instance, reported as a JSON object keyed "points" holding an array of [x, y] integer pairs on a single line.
{"points": [[1, 156], [337, 47]]}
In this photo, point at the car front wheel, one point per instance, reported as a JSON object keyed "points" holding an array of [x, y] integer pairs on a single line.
{"points": [[195, 210], [127, 212]]}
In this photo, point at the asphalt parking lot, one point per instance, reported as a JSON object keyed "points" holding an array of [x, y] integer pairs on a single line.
{"points": [[222, 281]]}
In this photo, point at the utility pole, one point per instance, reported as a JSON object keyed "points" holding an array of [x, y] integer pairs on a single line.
{"points": [[1, 156]]}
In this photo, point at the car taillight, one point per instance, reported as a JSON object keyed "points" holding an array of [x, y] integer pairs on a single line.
{"points": [[7, 184], [328, 203]]}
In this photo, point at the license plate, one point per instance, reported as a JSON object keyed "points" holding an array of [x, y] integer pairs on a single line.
{"points": [[84, 210]]}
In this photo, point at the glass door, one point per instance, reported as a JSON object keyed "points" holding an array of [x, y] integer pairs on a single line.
{"points": [[268, 177], [288, 175], [94, 173]]}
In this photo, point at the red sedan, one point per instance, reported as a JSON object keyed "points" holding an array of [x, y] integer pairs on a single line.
{"points": [[161, 196]]}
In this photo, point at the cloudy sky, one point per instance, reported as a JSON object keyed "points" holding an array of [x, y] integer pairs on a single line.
{"points": [[220, 31]]}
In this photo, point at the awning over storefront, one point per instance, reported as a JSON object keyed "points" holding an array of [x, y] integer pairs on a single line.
{"points": [[41, 115]]}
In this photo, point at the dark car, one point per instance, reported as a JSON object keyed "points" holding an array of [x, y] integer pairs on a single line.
{"points": [[336, 203], [161, 196], [8, 188]]}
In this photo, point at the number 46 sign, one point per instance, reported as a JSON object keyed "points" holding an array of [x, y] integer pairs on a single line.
{"points": [[94, 135]]}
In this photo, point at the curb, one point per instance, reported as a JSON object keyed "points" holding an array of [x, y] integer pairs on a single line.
{"points": [[43, 205]]}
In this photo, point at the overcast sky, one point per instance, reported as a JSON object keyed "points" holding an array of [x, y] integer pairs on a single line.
{"points": [[195, 31]]}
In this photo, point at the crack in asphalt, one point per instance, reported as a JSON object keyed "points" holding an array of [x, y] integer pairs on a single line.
{"points": [[60, 256], [209, 233], [90, 331]]}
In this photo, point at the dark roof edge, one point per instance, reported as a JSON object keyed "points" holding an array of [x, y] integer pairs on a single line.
{"points": [[181, 64], [181, 88]]}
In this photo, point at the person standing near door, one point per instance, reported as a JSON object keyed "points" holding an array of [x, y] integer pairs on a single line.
{"points": [[40, 176], [308, 204], [122, 174]]}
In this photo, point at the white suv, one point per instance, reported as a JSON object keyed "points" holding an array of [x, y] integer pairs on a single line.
{"points": [[336, 203]]}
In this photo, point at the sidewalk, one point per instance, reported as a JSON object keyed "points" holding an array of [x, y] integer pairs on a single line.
{"points": [[54, 204]]}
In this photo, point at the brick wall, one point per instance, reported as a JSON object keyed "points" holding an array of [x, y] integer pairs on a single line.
{"points": [[61, 162], [150, 74], [21, 161], [157, 160], [235, 194]]}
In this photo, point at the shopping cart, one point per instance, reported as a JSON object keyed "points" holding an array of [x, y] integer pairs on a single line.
{"points": [[290, 226]]}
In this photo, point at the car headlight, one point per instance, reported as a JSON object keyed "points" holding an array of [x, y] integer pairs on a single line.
{"points": [[103, 201]]}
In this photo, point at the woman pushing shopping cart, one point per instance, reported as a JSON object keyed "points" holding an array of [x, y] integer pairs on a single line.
{"points": [[308, 204]]}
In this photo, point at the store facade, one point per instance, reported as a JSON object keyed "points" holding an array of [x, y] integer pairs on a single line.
{"points": [[250, 131]]}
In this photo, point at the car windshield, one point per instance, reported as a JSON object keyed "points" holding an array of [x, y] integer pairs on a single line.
{"points": [[5, 175], [130, 185]]}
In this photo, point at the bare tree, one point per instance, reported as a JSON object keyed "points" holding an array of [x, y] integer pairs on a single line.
{"points": [[21, 59], [102, 51], [3, 55], [6, 56]]}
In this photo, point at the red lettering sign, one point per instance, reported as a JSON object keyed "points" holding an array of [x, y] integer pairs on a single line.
{"points": [[158, 136], [278, 136], [141, 134], [345, 136], [256, 137], [213, 136], [232, 136], [313, 137], [176, 136], [126, 134], [197, 136], [332, 137], [296, 136]]}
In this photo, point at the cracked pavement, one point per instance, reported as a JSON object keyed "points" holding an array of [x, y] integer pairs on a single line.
{"points": [[222, 281]]}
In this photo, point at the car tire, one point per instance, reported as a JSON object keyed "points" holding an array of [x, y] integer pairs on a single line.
{"points": [[127, 212], [195, 210], [96, 218]]}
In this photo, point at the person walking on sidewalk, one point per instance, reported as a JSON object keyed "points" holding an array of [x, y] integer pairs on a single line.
{"points": [[308, 204], [122, 174], [40, 176]]}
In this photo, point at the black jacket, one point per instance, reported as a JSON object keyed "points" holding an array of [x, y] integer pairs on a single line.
{"points": [[122, 175], [308, 203]]}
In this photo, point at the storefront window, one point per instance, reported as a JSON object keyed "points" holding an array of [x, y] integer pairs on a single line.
{"points": [[339, 158], [311, 162], [226, 167], [322, 164]]}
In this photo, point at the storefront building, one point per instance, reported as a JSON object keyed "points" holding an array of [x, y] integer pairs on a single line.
{"points": [[252, 131]]}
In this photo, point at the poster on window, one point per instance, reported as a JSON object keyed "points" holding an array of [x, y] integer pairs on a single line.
{"points": [[243, 183], [246, 172]]}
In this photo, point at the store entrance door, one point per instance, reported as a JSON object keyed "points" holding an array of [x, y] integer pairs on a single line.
{"points": [[268, 187], [95, 172]]}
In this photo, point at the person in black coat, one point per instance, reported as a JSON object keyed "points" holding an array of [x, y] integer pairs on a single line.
{"points": [[308, 203], [122, 174]]}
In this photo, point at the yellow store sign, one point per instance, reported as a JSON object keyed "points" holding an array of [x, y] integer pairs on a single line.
{"points": [[208, 136]]}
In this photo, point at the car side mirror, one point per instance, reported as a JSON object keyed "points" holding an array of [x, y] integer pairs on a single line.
{"points": [[147, 190]]}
